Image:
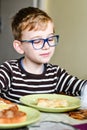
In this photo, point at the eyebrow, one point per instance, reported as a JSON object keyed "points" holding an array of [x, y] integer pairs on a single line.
{"points": [[35, 37]]}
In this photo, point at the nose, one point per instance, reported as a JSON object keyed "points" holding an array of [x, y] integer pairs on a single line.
{"points": [[46, 44]]}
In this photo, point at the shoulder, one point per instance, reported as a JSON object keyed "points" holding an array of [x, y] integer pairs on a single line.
{"points": [[9, 64], [54, 68], [49, 65]]}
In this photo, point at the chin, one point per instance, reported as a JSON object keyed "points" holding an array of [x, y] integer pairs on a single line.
{"points": [[46, 61]]}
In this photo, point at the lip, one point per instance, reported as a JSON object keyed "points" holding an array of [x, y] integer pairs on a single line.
{"points": [[45, 54]]}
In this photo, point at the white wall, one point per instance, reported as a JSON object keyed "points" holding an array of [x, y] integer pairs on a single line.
{"points": [[70, 17], [8, 9]]}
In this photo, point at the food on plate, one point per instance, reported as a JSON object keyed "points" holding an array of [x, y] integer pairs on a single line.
{"points": [[79, 114], [10, 113], [52, 103]]}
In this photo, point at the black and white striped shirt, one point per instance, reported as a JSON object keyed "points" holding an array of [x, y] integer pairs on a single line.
{"points": [[16, 82]]}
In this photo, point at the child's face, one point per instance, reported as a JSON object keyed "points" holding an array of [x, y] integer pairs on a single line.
{"points": [[42, 55]]}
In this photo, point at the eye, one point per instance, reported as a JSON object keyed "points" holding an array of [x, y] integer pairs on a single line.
{"points": [[37, 41], [50, 39]]}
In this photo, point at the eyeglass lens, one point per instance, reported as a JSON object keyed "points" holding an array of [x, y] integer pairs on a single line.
{"points": [[51, 41]]}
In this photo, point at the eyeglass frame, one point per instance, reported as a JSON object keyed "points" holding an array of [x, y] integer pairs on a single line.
{"points": [[46, 40]]}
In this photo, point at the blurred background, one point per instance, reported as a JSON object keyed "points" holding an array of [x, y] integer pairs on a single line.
{"points": [[70, 18]]}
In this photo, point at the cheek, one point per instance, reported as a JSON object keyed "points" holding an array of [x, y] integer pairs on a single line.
{"points": [[27, 48], [52, 50], [30, 51]]}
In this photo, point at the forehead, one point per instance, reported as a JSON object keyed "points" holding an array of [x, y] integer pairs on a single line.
{"points": [[35, 24], [39, 32]]}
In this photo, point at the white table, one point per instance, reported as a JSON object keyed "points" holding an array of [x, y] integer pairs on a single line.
{"points": [[56, 117]]}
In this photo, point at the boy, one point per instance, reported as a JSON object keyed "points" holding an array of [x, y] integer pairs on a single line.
{"points": [[34, 37]]}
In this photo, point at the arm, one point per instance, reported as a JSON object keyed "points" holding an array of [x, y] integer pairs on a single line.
{"points": [[69, 84], [4, 79], [84, 96]]}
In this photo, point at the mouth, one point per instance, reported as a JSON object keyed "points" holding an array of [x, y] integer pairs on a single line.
{"points": [[45, 54]]}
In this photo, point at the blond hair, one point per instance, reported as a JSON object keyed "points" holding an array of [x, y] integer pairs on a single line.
{"points": [[31, 18]]}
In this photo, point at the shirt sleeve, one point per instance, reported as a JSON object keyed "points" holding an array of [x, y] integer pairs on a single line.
{"points": [[69, 84], [4, 78]]}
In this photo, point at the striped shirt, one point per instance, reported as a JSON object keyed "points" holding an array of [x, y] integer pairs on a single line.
{"points": [[16, 82]]}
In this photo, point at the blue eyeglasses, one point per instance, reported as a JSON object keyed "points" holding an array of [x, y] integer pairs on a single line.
{"points": [[39, 43]]}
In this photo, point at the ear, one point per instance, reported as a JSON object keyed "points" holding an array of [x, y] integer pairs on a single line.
{"points": [[18, 46]]}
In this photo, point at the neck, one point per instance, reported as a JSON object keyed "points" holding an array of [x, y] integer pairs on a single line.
{"points": [[32, 67]]}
